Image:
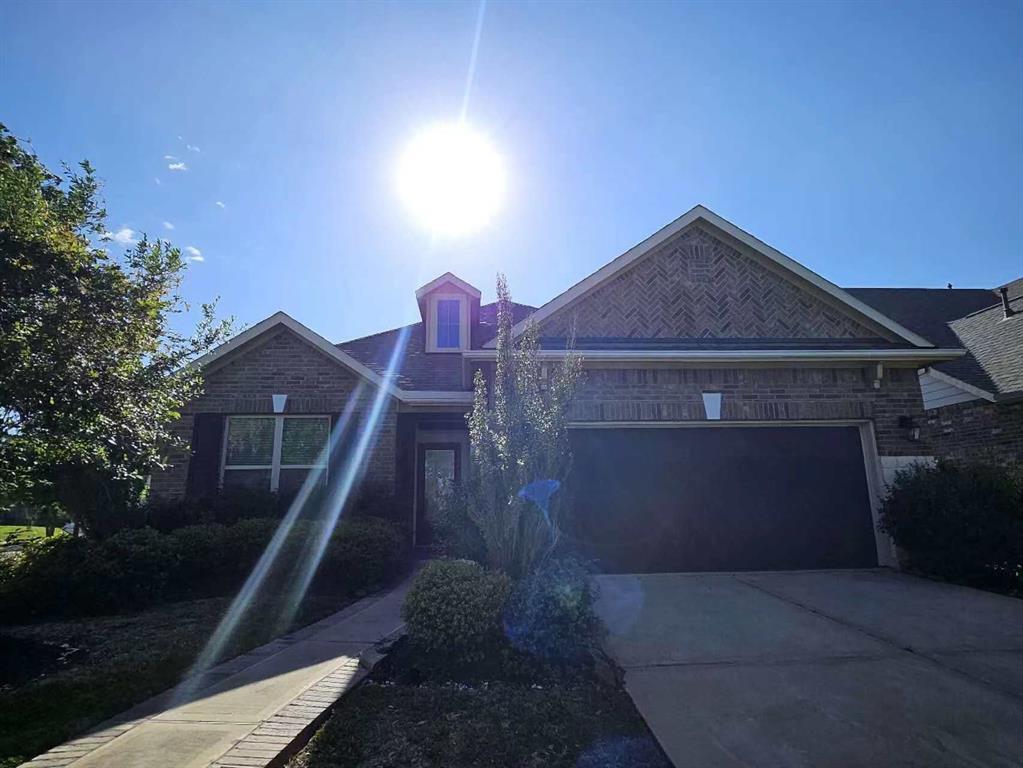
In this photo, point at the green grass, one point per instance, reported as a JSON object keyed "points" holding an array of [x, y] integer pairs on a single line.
{"points": [[425, 712], [23, 532], [118, 661]]}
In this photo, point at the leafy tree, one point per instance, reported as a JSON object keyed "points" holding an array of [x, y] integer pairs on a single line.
{"points": [[520, 455], [91, 372]]}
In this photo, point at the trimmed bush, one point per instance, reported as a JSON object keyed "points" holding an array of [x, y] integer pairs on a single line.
{"points": [[550, 613], [958, 522], [67, 576], [225, 508], [454, 606], [361, 553]]}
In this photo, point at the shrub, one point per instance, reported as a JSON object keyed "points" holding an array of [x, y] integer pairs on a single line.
{"points": [[550, 613], [454, 606], [136, 567], [361, 553], [226, 508], [214, 559], [963, 523], [77, 576]]}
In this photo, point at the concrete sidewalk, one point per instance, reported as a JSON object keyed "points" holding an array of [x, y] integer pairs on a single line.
{"points": [[245, 711]]}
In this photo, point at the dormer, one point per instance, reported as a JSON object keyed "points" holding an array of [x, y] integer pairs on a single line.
{"points": [[449, 307]]}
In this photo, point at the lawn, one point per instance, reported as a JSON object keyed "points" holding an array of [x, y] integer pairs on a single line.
{"points": [[58, 679], [508, 711], [22, 532]]}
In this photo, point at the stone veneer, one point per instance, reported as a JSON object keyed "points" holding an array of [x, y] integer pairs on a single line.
{"points": [[281, 363], [977, 430]]}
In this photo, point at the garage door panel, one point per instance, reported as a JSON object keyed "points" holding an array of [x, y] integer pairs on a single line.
{"points": [[662, 499]]}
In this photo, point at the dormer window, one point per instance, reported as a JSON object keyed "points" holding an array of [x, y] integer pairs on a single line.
{"points": [[448, 323], [449, 307]]}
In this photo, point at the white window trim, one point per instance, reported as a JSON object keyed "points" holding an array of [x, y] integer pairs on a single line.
{"points": [[275, 466], [432, 325]]}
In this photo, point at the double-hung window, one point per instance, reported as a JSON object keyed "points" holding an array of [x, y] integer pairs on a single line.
{"points": [[448, 324], [275, 453]]}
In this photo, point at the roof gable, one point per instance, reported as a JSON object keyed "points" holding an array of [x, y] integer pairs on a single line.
{"points": [[225, 352], [677, 295]]}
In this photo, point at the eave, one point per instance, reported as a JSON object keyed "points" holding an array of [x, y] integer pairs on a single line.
{"points": [[916, 356]]}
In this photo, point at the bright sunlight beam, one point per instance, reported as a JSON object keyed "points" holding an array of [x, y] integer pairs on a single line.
{"points": [[451, 179]]}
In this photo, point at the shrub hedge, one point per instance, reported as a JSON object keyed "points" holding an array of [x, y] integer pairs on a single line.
{"points": [[550, 613], [961, 522], [67, 576], [454, 606]]}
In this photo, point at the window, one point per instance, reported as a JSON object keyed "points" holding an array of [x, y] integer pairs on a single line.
{"points": [[448, 326], [274, 453]]}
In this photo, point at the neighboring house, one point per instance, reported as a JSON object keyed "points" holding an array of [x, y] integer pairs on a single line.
{"points": [[973, 404], [737, 411]]}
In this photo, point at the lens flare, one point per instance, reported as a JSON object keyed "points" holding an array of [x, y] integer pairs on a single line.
{"points": [[319, 534]]}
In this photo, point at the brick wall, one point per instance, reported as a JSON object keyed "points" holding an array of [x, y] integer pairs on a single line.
{"points": [[759, 394], [977, 430], [281, 363], [696, 285]]}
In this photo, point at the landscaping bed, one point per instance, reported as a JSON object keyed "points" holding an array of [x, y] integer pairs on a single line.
{"points": [[422, 710], [76, 674], [490, 674]]}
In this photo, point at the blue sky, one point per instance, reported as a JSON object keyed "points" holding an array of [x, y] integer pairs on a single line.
{"points": [[878, 144]]}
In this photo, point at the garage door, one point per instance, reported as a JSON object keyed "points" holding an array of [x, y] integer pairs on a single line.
{"points": [[649, 500]]}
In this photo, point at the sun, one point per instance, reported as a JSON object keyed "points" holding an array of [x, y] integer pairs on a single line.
{"points": [[451, 179]]}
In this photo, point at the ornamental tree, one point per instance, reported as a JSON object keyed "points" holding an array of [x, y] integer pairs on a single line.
{"points": [[92, 373], [520, 457]]}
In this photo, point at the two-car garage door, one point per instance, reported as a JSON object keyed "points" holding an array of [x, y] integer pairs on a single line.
{"points": [[663, 499]]}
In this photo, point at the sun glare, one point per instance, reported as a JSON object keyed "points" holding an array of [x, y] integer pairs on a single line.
{"points": [[451, 179]]}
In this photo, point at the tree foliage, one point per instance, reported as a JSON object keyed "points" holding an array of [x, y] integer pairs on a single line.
{"points": [[91, 371], [520, 457]]}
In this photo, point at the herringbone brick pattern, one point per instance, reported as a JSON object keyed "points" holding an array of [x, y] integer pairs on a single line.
{"points": [[697, 286]]}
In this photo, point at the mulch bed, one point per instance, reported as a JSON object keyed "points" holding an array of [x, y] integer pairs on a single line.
{"points": [[503, 710]]}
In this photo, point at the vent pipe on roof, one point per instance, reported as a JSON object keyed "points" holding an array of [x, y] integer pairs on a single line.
{"points": [[1004, 290]]}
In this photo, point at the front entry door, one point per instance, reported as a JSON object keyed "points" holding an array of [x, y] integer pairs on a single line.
{"points": [[437, 465]]}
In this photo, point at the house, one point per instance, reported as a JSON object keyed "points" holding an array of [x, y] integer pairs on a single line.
{"points": [[737, 411], [973, 404]]}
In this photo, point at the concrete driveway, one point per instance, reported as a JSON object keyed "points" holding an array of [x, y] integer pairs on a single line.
{"points": [[820, 668]]}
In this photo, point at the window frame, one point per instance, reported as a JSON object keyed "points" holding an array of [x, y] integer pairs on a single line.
{"points": [[433, 326], [275, 466]]}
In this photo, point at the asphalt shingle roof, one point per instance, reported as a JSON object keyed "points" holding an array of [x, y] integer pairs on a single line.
{"points": [[419, 370], [969, 318]]}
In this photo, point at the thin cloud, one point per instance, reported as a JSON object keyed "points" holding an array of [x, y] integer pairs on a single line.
{"points": [[191, 148], [168, 225], [157, 180], [124, 236], [177, 167], [194, 254], [220, 204], [169, 157]]}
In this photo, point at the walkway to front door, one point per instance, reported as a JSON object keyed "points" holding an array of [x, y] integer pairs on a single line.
{"points": [[820, 668]]}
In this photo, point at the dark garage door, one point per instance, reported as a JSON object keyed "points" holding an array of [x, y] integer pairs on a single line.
{"points": [[649, 500]]}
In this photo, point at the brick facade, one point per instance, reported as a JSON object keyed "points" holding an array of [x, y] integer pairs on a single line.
{"points": [[977, 430], [757, 394], [697, 285], [282, 363]]}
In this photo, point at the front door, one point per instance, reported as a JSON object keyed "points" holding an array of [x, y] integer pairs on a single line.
{"points": [[437, 466]]}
